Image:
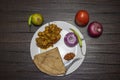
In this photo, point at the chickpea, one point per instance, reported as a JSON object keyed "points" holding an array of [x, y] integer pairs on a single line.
{"points": [[40, 33]]}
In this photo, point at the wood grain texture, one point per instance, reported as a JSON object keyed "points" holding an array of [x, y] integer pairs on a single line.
{"points": [[102, 60]]}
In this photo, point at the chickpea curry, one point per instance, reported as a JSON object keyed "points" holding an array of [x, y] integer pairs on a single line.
{"points": [[49, 36]]}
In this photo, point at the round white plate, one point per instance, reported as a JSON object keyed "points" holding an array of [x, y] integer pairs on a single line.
{"points": [[63, 49]]}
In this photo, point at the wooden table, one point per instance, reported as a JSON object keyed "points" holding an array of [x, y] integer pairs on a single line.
{"points": [[102, 60]]}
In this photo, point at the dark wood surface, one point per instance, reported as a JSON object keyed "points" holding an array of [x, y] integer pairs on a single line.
{"points": [[102, 61]]}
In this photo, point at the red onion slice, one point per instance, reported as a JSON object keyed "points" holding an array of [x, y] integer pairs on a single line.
{"points": [[70, 39]]}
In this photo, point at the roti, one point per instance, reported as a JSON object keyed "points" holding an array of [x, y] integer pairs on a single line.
{"points": [[50, 62]]}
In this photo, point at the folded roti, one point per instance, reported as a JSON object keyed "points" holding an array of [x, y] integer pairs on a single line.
{"points": [[50, 62]]}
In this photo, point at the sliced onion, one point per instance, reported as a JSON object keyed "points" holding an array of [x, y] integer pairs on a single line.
{"points": [[70, 39]]}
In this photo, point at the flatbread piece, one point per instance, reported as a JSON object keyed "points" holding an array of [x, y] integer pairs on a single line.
{"points": [[50, 62]]}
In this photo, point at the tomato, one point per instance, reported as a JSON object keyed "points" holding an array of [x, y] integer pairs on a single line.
{"points": [[82, 18]]}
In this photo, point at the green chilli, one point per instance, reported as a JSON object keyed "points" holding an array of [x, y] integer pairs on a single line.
{"points": [[78, 36], [29, 21]]}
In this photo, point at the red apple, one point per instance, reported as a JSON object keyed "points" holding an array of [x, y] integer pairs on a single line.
{"points": [[82, 18]]}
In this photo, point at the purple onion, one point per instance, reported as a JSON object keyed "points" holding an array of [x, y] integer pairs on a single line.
{"points": [[95, 29], [70, 39]]}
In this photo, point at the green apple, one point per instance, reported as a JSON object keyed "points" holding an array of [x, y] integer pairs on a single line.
{"points": [[35, 19]]}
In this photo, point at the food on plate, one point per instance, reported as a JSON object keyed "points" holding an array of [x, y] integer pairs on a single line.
{"points": [[35, 19], [95, 29], [50, 62], [82, 18], [49, 36], [69, 56], [70, 39], [78, 36]]}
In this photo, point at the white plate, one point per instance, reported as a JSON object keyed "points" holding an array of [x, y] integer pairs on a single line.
{"points": [[63, 49]]}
